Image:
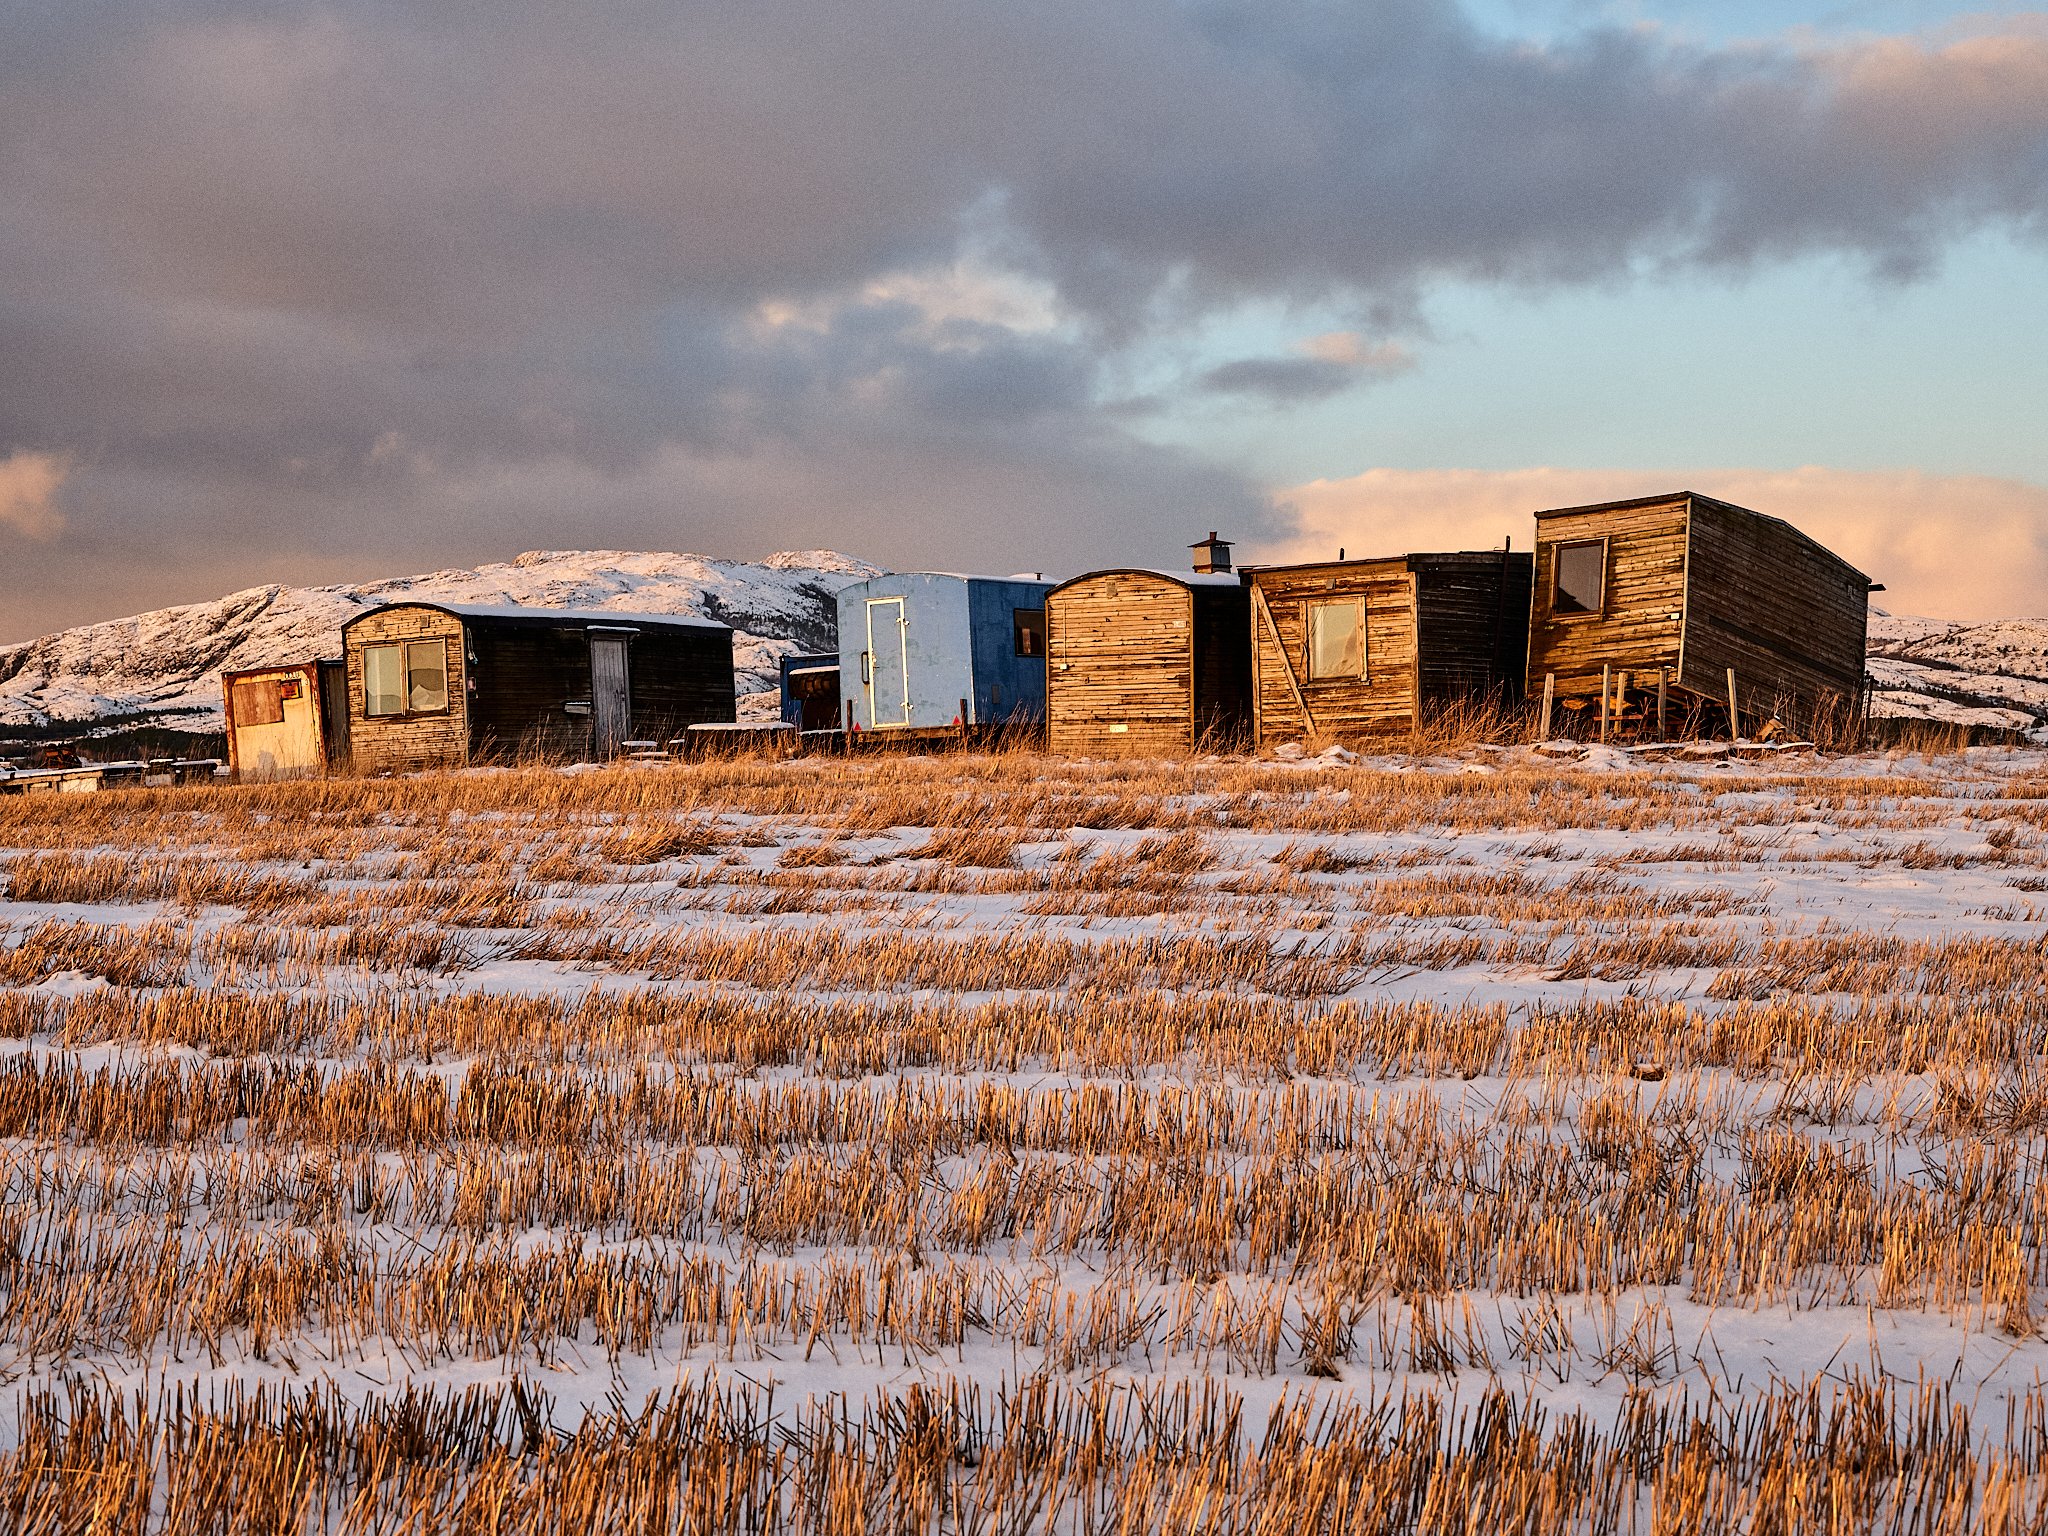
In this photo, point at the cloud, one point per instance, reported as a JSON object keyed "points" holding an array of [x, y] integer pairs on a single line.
{"points": [[1947, 546], [28, 493], [310, 277]]}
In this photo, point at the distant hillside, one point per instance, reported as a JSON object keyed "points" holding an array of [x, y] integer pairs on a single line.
{"points": [[163, 668], [1969, 674]]}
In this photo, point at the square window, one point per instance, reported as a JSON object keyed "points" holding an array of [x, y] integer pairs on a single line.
{"points": [[1030, 631], [257, 701], [1578, 581], [426, 676], [1336, 640], [383, 680]]}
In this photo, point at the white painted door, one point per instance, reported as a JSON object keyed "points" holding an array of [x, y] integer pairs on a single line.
{"points": [[888, 680]]}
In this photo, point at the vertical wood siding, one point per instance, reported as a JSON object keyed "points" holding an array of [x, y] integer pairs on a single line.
{"points": [[402, 743], [1472, 625]]}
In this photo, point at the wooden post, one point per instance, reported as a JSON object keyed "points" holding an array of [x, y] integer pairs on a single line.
{"points": [[1734, 713], [846, 736], [1606, 695], [1549, 692], [963, 725], [1661, 732]]}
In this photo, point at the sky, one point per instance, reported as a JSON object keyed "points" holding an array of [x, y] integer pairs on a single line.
{"points": [[296, 293]]}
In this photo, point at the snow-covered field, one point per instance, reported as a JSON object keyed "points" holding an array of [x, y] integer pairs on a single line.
{"points": [[1308, 1143]]}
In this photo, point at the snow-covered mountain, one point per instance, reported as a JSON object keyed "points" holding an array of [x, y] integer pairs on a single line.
{"points": [[163, 668], [1992, 674]]}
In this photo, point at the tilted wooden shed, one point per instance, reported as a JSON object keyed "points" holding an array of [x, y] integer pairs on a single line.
{"points": [[1350, 647], [1681, 589], [1147, 661], [286, 720], [437, 685]]}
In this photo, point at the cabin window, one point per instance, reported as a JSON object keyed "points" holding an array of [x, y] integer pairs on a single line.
{"points": [[410, 678], [1336, 640], [1030, 629], [257, 701], [1578, 577]]}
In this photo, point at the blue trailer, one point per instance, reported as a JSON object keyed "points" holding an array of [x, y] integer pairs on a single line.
{"points": [[914, 647]]}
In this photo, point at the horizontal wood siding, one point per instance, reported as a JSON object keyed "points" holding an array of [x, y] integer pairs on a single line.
{"points": [[1120, 649], [401, 743], [1472, 625], [1639, 628], [1384, 700], [1787, 615], [1223, 664]]}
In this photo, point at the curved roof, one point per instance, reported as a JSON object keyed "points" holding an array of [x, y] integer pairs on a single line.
{"points": [[1183, 578], [565, 617]]}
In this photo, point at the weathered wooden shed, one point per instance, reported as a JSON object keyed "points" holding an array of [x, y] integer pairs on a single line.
{"points": [[1677, 591], [1148, 661], [442, 684], [1350, 647], [286, 720], [914, 645]]}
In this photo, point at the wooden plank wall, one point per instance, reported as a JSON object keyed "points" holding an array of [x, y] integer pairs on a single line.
{"points": [[680, 677], [1119, 650], [1223, 663], [1472, 625], [1787, 615], [524, 674], [400, 743], [1384, 700], [1640, 629]]}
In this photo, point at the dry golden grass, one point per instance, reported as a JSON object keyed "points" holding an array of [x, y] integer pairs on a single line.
{"points": [[1088, 1094]]}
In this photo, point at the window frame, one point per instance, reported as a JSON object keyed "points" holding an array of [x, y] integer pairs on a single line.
{"points": [[1309, 606], [1018, 629], [1557, 549], [404, 647]]}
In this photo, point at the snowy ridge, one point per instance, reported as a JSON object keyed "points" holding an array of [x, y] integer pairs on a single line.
{"points": [[1993, 674], [164, 667]]}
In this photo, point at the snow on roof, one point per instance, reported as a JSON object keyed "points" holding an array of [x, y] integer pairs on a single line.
{"points": [[1185, 578], [595, 616]]}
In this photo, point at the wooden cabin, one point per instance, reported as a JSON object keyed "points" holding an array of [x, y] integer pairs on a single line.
{"points": [[1672, 594], [917, 648], [1149, 661], [286, 721], [1353, 647], [438, 685]]}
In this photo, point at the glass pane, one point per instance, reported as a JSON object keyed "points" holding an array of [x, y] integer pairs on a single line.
{"points": [[426, 676], [1030, 631], [1581, 573], [383, 681], [1336, 639]]}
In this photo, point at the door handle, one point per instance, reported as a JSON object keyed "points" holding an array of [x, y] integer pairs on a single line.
{"points": [[865, 676]]}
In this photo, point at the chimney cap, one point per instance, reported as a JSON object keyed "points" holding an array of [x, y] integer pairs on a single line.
{"points": [[1212, 553]]}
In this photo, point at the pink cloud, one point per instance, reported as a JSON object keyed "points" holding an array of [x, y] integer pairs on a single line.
{"points": [[1949, 546], [28, 493]]}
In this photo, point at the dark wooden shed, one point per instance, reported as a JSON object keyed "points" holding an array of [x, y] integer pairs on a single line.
{"points": [[1147, 661], [435, 685], [1351, 647], [1674, 592]]}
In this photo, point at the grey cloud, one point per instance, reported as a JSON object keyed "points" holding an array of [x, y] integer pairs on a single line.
{"points": [[1281, 378], [320, 278]]}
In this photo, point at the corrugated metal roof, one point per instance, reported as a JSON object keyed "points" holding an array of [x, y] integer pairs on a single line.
{"points": [[591, 616]]}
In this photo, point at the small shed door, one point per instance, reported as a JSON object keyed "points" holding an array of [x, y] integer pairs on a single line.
{"points": [[334, 712], [888, 683], [611, 699]]}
